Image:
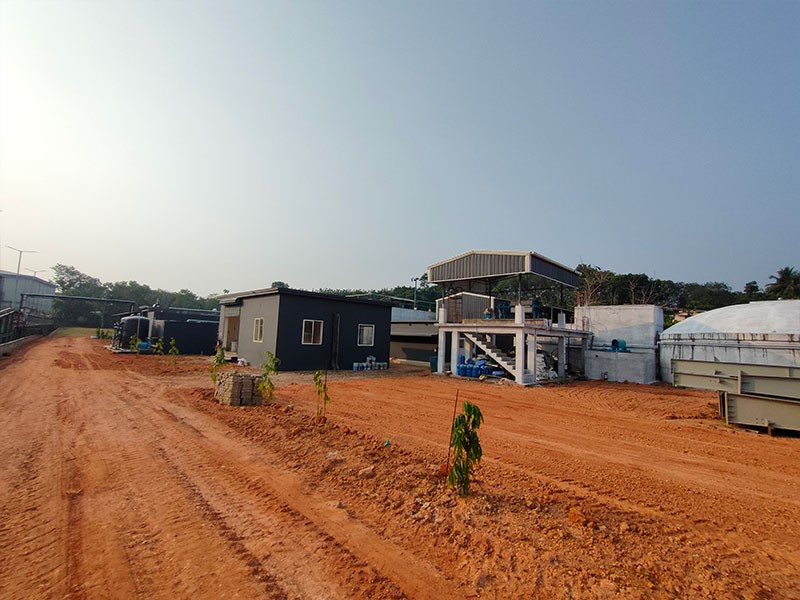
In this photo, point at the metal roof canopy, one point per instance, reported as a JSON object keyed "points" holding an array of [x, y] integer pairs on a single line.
{"points": [[474, 270]]}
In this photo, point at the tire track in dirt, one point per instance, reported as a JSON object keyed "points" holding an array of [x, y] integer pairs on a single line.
{"points": [[248, 487], [179, 498], [221, 493]]}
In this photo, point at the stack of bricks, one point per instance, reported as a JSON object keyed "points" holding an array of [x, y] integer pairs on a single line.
{"points": [[238, 389]]}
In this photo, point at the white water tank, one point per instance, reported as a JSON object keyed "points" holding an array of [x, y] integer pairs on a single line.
{"points": [[762, 333]]}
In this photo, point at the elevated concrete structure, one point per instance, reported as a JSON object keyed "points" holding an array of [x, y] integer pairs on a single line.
{"points": [[467, 336]]}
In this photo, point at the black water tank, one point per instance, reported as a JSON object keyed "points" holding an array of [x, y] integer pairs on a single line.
{"points": [[138, 326]]}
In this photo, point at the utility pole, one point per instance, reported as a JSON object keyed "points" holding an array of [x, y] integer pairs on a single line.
{"points": [[415, 280], [19, 264]]}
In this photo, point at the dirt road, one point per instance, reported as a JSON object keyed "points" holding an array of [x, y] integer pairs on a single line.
{"points": [[120, 478]]}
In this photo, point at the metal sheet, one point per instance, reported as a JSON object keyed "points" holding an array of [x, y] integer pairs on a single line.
{"points": [[767, 380], [759, 411]]}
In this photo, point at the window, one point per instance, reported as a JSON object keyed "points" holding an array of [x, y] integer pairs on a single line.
{"points": [[312, 332], [366, 335], [258, 330]]}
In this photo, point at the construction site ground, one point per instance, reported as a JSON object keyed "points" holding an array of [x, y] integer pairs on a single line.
{"points": [[121, 478]]}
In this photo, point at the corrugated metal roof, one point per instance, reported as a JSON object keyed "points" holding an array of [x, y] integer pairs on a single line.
{"points": [[495, 264]]}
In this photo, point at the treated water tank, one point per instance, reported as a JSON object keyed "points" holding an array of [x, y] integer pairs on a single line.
{"points": [[134, 326]]}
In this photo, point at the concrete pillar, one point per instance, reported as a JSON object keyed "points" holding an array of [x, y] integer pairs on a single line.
{"points": [[519, 367], [441, 350], [442, 340], [584, 351], [532, 356], [454, 351], [519, 345], [562, 356]]}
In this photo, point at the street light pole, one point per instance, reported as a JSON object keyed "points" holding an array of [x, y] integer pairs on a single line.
{"points": [[35, 271], [19, 264]]}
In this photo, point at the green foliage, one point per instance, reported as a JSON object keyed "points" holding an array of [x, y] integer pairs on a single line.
{"points": [[466, 447], [102, 334], [72, 332], [279, 285], [321, 385], [158, 347], [269, 368], [785, 284], [219, 362], [173, 351], [135, 344], [71, 282]]}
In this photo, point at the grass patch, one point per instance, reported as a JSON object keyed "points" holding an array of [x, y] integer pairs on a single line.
{"points": [[77, 331]]}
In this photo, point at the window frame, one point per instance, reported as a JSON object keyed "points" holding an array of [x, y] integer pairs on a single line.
{"points": [[303, 332], [258, 321], [358, 335]]}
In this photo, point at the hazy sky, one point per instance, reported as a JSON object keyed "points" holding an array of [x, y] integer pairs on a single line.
{"points": [[211, 145]]}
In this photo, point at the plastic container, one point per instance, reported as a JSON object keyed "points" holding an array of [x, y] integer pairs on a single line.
{"points": [[434, 364]]}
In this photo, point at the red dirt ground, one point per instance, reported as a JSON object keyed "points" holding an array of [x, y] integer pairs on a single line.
{"points": [[120, 477]]}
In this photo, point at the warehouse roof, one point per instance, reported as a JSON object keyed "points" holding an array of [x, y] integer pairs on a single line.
{"points": [[778, 316]]}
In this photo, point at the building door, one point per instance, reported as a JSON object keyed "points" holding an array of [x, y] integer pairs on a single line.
{"points": [[231, 332], [335, 341]]}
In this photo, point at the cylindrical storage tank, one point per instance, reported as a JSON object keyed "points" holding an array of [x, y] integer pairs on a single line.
{"points": [[759, 333], [134, 326]]}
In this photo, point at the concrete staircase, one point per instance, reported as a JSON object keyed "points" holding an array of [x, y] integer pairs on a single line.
{"points": [[501, 358]]}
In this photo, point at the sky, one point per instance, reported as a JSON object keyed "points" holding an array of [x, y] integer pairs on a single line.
{"points": [[226, 145]]}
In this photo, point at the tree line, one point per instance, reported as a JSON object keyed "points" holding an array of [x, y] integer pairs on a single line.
{"points": [[72, 282], [600, 286]]}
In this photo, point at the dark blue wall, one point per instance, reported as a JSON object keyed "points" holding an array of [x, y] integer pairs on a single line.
{"points": [[294, 309]]}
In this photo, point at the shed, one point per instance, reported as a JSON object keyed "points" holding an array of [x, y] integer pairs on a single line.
{"points": [[13, 286], [305, 330]]}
